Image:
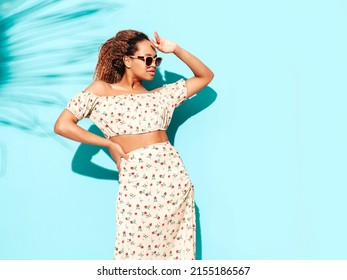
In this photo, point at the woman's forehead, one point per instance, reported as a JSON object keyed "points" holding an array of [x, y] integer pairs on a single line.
{"points": [[146, 48]]}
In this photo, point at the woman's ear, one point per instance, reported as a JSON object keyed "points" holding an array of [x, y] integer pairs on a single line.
{"points": [[127, 61]]}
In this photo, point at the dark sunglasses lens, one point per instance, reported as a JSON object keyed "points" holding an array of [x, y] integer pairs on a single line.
{"points": [[158, 61], [149, 61]]}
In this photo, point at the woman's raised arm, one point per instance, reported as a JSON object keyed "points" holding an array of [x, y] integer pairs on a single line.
{"points": [[202, 74]]}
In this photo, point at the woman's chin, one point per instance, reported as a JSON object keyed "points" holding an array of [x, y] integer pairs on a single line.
{"points": [[149, 77]]}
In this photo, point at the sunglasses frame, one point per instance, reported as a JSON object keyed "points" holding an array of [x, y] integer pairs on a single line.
{"points": [[144, 59]]}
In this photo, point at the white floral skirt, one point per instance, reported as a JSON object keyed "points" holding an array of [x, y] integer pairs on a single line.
{"points": [[155, 206]]}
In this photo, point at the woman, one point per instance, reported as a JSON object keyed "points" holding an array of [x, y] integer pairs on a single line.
{"points": [[155, 204]]}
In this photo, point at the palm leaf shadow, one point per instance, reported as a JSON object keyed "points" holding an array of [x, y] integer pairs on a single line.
{"points": [[42, 45]]}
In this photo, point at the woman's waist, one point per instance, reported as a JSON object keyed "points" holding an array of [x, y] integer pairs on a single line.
{"points": [[150, 161], [132, 142]]}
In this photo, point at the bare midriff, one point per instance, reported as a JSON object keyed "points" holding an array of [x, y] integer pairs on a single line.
{"points": [[132, 142]]}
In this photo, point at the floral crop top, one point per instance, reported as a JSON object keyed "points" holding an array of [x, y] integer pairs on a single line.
{"points": [[130, 113]]}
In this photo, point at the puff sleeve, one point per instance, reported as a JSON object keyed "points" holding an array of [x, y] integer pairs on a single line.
{"points": [[81, 104], [176, 92]]}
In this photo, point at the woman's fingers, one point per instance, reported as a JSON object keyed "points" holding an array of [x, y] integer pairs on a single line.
{"points": [[122, 155], [117, 152], [154, 43], [156, 35], [125, 156]]}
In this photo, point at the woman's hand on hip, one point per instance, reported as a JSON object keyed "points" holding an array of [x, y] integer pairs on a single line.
{"points": [[117, 153]]}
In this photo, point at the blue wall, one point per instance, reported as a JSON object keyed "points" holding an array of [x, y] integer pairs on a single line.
{"points": [[265, 143]]}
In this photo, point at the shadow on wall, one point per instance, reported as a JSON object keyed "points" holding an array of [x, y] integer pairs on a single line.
{"points": [[42, 45], [82, 160]]}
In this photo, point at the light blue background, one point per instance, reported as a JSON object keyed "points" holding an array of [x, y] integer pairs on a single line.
{"points": [[267, 154]]}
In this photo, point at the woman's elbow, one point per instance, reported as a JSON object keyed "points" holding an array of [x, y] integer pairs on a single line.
{"points": [[64, 123], [58, 128], [61, 126], [210, 76]]}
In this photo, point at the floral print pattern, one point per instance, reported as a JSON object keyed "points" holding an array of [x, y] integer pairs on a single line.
{"points": [[155, 206], [155, 203], [130, 113]]}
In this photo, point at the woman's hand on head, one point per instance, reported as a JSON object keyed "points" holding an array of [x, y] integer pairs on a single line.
{"points": [[163, 45], [117, 153]]}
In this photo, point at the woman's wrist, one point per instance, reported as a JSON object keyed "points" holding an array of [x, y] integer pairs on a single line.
{"points": [[177, 49], [108, 143]]}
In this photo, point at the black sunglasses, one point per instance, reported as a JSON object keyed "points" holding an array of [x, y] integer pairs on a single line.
{"points": [[149, 59]]}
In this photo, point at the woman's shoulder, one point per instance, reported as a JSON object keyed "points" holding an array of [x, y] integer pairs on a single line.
{"points": [[170, 85], [98, 87]]}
